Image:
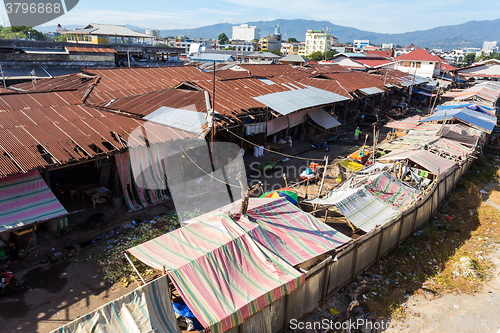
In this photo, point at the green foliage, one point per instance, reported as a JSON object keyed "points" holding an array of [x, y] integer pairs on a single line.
{"points": [[60, 38], [263, 50], [292, 40], [484, 57], [108, 252], [21, 32], [276, 52], [223, 39], [469, 59], [229, 48], [318, 56]]}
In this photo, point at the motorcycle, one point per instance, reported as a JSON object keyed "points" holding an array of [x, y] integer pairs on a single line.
{"points": [[320, 145], [8, 281]]}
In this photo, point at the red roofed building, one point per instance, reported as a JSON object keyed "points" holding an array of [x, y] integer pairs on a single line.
{"points": [[377, 53], [419, 62]]}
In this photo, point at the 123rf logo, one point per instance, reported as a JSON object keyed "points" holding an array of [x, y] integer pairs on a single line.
{"points": [[31, 13]]}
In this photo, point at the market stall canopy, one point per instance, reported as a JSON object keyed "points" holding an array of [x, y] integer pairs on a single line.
{"points": [[322, 118], [472, 118], [146, 309], [302, 235], [220, 271], [26, 199], [432, 162], [365, 211], [286, 102]]}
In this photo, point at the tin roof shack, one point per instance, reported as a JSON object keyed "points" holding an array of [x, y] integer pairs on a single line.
{"points": [[71, 145]]}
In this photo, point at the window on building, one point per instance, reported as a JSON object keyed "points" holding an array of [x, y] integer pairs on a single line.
{"points": [[418, 64]]}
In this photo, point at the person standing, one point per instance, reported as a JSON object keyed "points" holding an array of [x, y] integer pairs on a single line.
{"points": [[357, 132]]}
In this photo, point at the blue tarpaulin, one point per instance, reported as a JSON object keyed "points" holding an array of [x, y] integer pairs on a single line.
{"points": [[475, 119]]}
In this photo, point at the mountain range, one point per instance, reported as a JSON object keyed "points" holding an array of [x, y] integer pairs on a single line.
{"points": [[469, 34]]}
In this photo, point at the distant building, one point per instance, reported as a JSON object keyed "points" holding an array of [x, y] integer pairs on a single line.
{"points": [[154, 32], [239, 45], [388, 46], [490, 46], [246, 32], [316, 41], [294, 60], [419, 62], [289, 48], [333, 41], [107, 34], [359, 44], [272, 42]]}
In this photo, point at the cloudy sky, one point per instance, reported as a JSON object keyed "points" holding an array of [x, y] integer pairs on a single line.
{"points": [[387, 16]]}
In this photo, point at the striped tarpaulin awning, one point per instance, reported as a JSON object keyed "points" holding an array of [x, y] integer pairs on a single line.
{"points": [[146, 309], [365, 211], [303, 236], [276, 125], [385, 187], [432, 162], [220, 272], [26, 199]]}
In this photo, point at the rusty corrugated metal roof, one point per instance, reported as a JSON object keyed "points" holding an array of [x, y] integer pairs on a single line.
{"points": [[272, 70], [117, 83], [352, 81], [23, 101], [316, 69], [144, 104], [52, 134], [326, 84], [77, 81], [89, 49]]}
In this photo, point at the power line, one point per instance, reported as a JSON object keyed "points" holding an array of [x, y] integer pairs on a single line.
{"points": [[274, 152]]}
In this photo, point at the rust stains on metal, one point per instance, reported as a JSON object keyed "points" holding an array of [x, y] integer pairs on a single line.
{"points": [[124, 82], [46, 129], [89, 49], [144, 104], [76, 81], [275, 70]]}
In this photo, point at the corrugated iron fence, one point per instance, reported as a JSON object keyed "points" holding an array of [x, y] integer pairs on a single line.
{"points": [[328, 277]]}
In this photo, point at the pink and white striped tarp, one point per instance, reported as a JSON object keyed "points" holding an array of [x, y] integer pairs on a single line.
{"points": [[25, 199]]}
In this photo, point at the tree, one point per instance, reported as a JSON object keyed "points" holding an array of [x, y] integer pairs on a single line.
{"points": [[469, 59], [276, 52], [292, 40], [316, 56], [223, 39], [60, 38], [229, 48]]}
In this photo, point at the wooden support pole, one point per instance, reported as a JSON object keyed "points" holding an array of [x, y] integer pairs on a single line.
{"points": [[29, 242], [325, 282], [355, 261], [380, 241], [323, 178]]}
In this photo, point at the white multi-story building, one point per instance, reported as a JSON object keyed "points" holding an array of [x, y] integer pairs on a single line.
{"points": [[359, 44], [154, 32], [490, 46], [419, 62], [246, 32], [388, 46], [316, 41]]}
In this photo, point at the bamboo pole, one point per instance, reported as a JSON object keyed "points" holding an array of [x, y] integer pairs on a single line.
{"points": [[133, 266]]}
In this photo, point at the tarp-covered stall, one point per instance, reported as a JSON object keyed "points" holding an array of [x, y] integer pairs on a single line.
{"points": [[220, 272], [26, 199], [146, 309]]}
